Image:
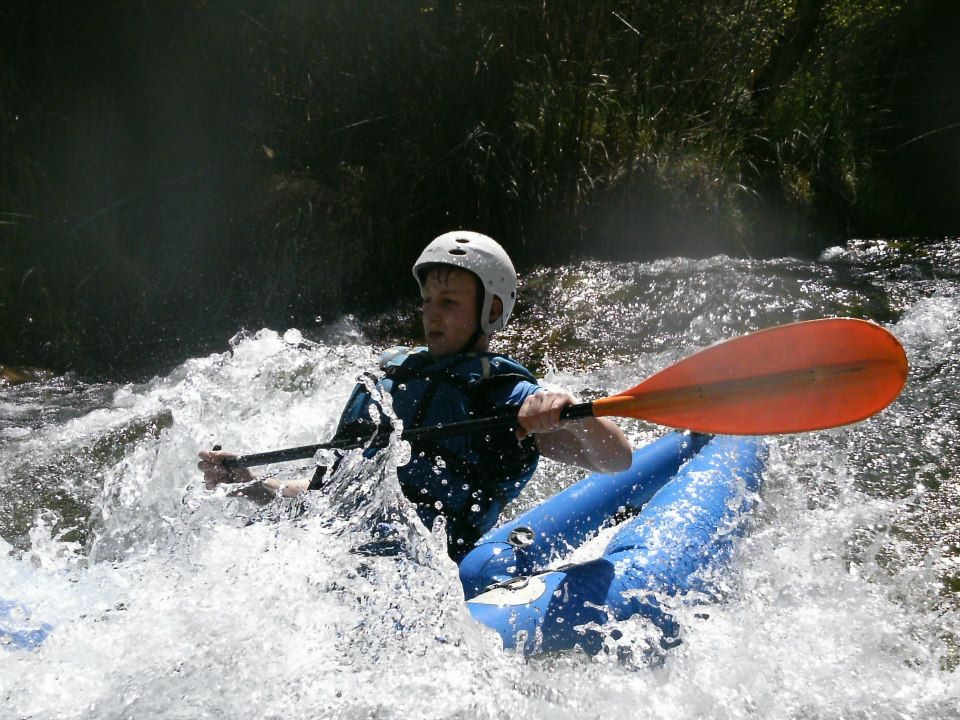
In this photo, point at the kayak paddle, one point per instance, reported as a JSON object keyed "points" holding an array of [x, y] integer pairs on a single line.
{"points": [[793, 378]]}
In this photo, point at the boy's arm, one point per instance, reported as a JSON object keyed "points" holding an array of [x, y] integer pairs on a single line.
{"points": [[594, 443], [214, 473], [262, 492]]}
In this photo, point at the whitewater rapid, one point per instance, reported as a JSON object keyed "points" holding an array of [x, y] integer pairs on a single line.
{"points": [[169, 601]]}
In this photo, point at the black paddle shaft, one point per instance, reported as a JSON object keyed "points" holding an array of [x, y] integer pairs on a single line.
{"points": [[504, 418]]}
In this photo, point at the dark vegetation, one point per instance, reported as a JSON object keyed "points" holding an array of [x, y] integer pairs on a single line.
{"points": [[172, 171]]}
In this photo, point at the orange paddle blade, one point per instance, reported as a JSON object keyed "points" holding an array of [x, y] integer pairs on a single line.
{"points": [[792, 378]]}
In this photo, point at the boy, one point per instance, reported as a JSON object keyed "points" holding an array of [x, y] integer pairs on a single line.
{"points": [[468, 285]]}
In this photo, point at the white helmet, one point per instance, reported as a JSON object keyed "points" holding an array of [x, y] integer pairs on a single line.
{"points": [[482, 256]]}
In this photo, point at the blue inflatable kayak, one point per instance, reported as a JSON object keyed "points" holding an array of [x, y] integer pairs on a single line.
{"points": [[686, 494], [18, 631]]}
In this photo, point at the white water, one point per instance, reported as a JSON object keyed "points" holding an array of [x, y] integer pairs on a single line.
{"points": [[174, 607]]}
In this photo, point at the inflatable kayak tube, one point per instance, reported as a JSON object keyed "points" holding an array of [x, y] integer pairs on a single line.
{"points": [[690, 516], [18, 631]]}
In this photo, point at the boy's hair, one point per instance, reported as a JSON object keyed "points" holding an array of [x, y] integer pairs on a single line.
{"points": [[442, 272]]}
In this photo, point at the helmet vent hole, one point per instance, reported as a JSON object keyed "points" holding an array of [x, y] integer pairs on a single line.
{"points": [[457, 251], [463, 240]]}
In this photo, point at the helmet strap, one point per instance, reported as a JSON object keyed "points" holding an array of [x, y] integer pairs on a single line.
{"points": [[468, 346], [481, 305]]}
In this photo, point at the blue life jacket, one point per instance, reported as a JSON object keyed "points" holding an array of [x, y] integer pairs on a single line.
{"points": [[467, 478]]}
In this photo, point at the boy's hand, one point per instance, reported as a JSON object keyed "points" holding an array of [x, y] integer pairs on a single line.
{"points": [[214, 473], [540, 412]]}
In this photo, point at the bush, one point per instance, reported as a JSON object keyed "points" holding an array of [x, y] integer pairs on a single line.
{"points": [[169, 172]]}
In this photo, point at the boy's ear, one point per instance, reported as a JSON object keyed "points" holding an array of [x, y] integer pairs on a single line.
{"points": [[496, 309]]}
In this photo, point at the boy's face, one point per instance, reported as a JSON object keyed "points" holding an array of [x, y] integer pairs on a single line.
{"points": [[449, 309]]}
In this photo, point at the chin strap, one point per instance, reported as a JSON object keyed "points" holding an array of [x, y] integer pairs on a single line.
{"points": [[468, 345], [472, 340]]}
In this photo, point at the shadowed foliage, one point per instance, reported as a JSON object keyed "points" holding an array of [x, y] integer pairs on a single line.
{"points": [[170, 172]]}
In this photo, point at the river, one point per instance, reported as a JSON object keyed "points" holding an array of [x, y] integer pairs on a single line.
{"points": [[168, 601]]}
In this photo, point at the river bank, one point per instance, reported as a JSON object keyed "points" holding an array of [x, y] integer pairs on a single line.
{"points": [[169, 174]]}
